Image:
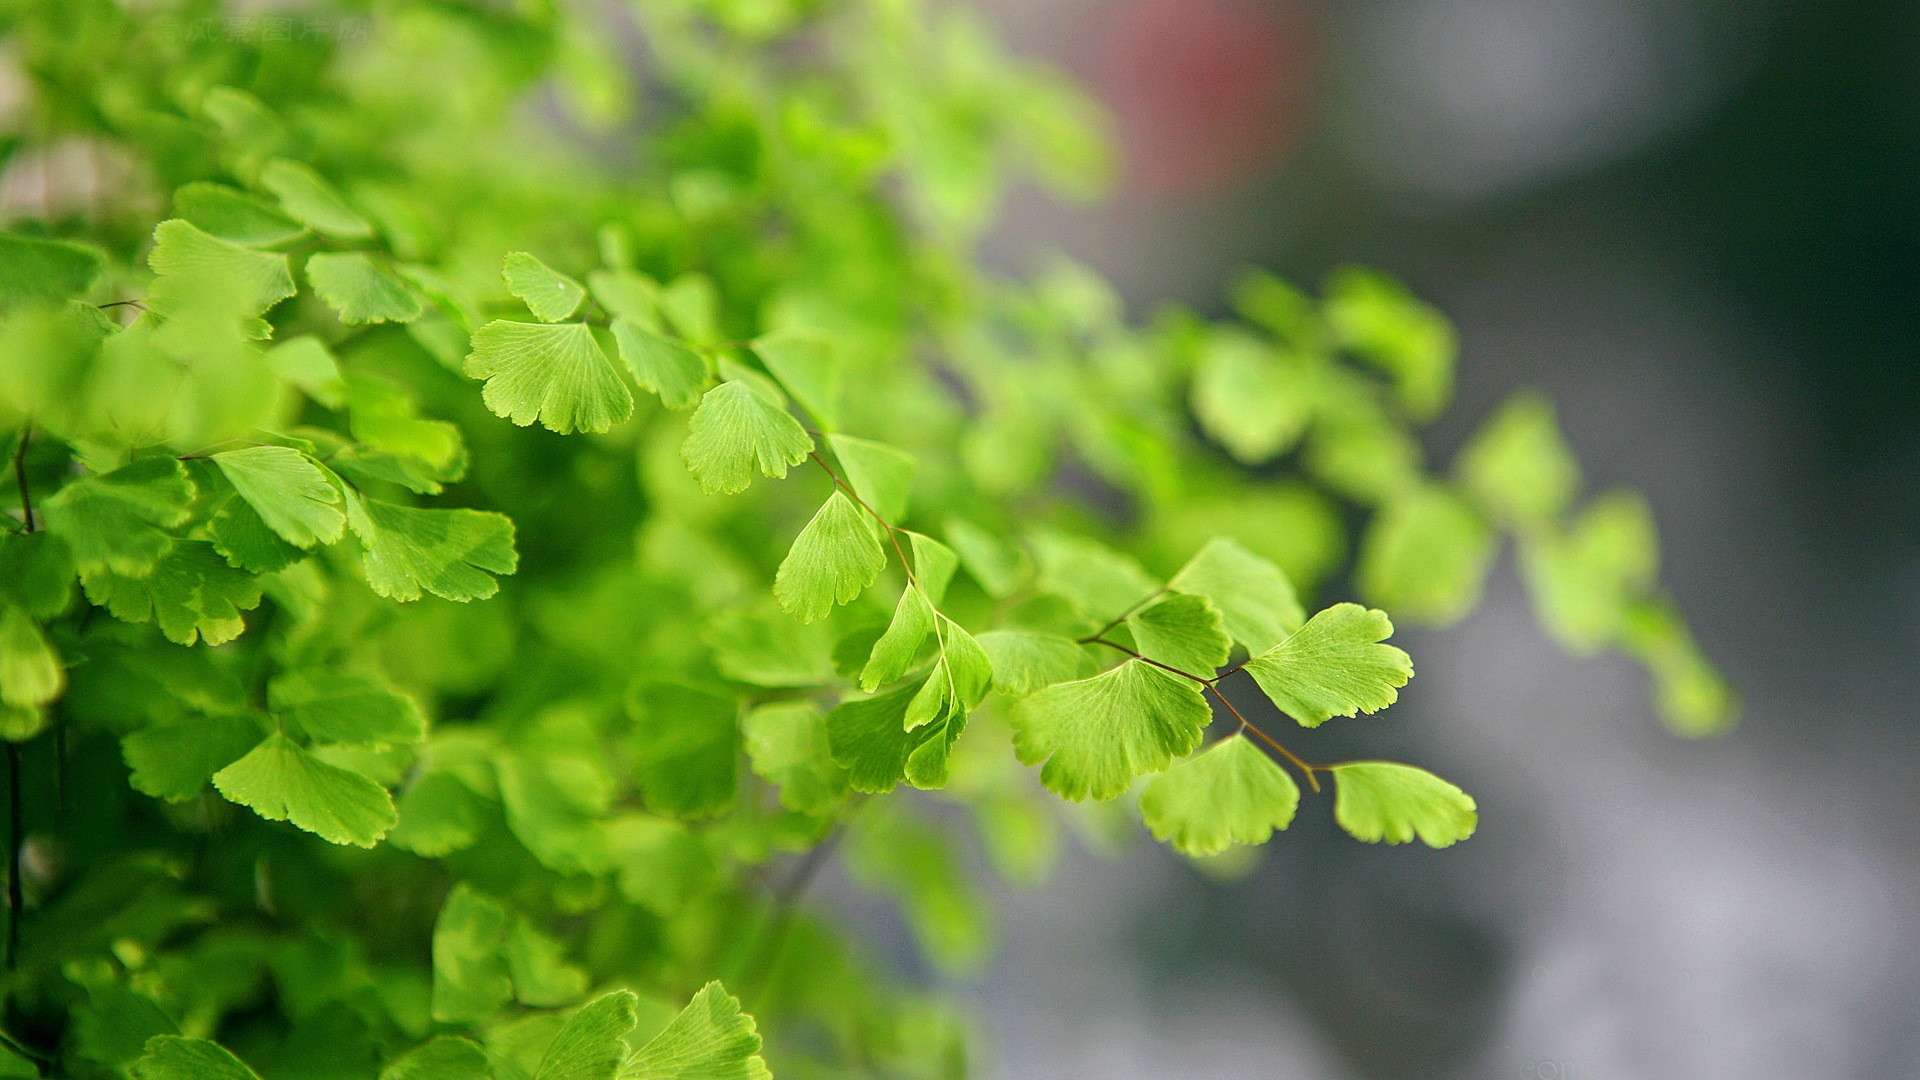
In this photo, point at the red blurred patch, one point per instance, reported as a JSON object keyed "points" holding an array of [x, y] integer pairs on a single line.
{"points": [[1207, 92]]}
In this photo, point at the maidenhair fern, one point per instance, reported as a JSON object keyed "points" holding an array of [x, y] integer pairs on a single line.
{"points": [[490, 513]]}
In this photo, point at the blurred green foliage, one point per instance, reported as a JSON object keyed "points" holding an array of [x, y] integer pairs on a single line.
{"points": [[499, 491]]}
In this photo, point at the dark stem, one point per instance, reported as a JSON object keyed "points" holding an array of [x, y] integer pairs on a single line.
{"points": [[765, 958], [1201, 679], [1247, 725], [1122, 617]]}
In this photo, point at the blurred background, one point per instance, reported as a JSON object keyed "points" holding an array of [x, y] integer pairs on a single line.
{"points": [[1696, 224]]}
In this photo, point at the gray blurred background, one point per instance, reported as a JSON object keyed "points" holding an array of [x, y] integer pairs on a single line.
{"points": [[1696, 224]]}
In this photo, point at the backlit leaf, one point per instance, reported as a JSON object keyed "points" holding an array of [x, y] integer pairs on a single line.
{"points": [[1097, 735], [1382, 800], [1230, 793]]}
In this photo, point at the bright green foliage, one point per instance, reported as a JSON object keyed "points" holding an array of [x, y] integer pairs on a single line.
{"points": [[556, 374], [1584, 580], [832, 561], [360, 290], [711, 1039], [1382, 800], [549, 294], [1519, 467], [231, 214], [309, 199], [291, 494], [660, 364], [449, 553], [119, 521], [171, 1057], [35, 271], [686, 749], [1230, 793], [1097, 735], [737, 430], [592, 1045], [283, 782], [1183, 631], [190, 593], [1250, 398], [1256, 602], [1425, 556], [805, 366], [787, 745], [1334, 666], [619, 720], [880, 474], [335, 707], [189, 265]]}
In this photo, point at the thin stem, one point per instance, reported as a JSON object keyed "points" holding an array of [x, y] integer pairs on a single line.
{"points": [[892, 530], [20, 476], [1122, 617], [123, 303], [1247, 725], [765, 958], [1201, 679]]}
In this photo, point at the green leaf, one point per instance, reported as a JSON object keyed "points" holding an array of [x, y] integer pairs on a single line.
{"points": [[881, 475], [175, 1057], [686, 745], [869, 737], [36, 573], [1694, 700], [449, 553], [291, 494], [117, 521], [305, 362], [1426, 557], [662, 864], [554, 805], [244, 540], [1025, 661], [667, 368], [1332, 666], [304, 194], [234, 215], [444, 1057], [1381, 800], [470, 979], [191, 266], [735, 431], [711, 1039], [1518, 467], [1230, 793], [360, 290], [1100, 580], [542, 976], [1583, 580], [282, 782], [1183, 631], [548, 293], [626, 295], [832, 561], [592, 1046], [30, 671], [787, 746], [1096, 735], [174, 761], [767, 648], [40, 271], [439, 815], [894, 653], [805, 366], [1256, 602], [1378, 320], [999, 567], [556, 374], [330, 706], [933, 566], [191, 593], [1249, 398]]}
